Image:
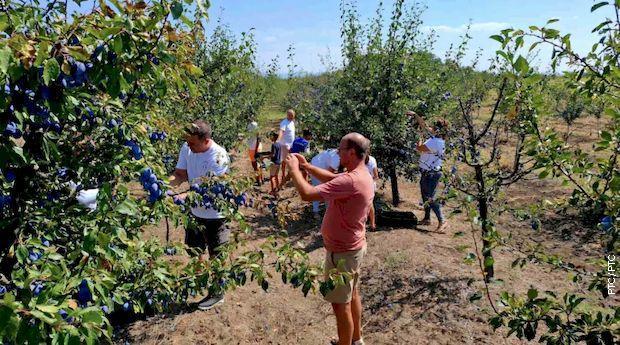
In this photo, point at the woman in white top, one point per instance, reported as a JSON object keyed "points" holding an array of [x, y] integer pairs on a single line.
{"points": [[431, 159], [286, 136], [371, 165]]}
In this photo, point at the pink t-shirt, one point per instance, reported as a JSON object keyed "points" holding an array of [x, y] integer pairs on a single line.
{"points": [[348, 198]]}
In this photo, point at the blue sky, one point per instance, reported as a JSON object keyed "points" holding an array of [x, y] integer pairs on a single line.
{"points": [[313, 27]]}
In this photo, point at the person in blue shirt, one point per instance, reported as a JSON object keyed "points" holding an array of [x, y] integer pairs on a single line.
{"points": [[302, 144]]}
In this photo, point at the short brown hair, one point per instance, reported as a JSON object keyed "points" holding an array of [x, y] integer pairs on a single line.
{"points": [[359, 143], [200, 129]]}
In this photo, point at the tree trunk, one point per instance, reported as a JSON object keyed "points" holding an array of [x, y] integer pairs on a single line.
{"points": [[394, 183], [483, 209]]}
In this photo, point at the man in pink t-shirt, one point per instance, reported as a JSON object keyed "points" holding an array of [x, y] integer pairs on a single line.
{"points": [[348, 197]]}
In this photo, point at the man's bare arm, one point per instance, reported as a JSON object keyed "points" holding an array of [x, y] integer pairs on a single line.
{"points": [[306, 191], [179, 176], [320, 174]]}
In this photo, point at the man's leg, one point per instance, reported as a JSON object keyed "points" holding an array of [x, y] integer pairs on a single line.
{"points": [[371, 217], [433, 203], [195, 237], [356, 313], [344, 322], [424, 191], [218, 235], [285, 151], [345, 299], [257, 169]]}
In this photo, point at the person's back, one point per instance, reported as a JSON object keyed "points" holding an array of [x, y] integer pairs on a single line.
{"points": [[300, 145], [349, 197], [432, 161], [327, 159], [276, 148], [371, 165]]}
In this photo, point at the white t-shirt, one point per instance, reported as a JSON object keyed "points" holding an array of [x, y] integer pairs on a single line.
{"points": [[371, 166], [288, 137], [326, 159], [433, 160], [213, 161]]}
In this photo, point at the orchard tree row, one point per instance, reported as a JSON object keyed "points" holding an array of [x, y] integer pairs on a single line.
{"points": [[95, 99], [498, 136]]}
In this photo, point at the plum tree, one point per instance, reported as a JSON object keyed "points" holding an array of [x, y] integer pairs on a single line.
{"points": [[77, 88]]}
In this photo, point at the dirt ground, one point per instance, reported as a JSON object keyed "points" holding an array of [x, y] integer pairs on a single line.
{"points": [[415, 286]]}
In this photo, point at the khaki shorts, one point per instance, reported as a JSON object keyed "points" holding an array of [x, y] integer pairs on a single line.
{"points": [[352, 263]]}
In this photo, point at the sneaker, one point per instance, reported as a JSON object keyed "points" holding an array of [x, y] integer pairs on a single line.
{"points": [[441, 228], [210, 302], [425, 222]]}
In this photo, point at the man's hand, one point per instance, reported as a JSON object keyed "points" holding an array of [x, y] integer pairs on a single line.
{"points": [[303, 163], [292, 162]]}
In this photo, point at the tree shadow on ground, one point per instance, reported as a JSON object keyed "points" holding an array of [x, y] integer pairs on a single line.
{"points": [[303, 228], [388, 298]]}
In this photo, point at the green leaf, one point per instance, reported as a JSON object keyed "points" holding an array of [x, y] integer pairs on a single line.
{"points": [[543, 174], [521, 65], [79, 53], [551, 21], [51, 70], [118, 45], [43, 317], [50, 309], [498, 38], [42, 53], [176, 9], [92, 317], [606, 135], [127, 207], [614, 184], [489, 261], [532, 293], [5, 59], [476, 296], [21, 253], [598, 5], [306, 288]]}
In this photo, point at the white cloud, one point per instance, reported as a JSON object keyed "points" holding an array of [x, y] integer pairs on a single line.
{"points": [[475, 27]]}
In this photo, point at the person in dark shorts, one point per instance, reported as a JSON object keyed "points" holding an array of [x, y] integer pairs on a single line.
{"points": [[200, 157], [276, 160]]}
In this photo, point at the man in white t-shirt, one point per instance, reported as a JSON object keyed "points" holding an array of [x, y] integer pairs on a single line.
{"points": [[431, 158], [201, 157], [328, 160], [286, 136]]}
